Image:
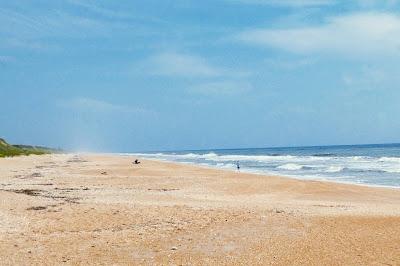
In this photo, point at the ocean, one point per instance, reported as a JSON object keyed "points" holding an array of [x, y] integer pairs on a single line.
{"points": [[375, 164]]}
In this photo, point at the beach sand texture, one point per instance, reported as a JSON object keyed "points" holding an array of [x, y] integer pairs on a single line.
{"points": [[101, 209]]}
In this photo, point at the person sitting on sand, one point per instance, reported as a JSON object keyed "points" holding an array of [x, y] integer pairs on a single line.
{"points": [[136, 161]]}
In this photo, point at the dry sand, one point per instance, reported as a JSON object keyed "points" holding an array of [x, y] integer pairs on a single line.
{"points": [[102, 209]]}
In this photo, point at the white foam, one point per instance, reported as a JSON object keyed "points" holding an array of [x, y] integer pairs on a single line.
{"points": [[334, 169], [392, 170], [226, 165], [389, 159], [290, 166]]}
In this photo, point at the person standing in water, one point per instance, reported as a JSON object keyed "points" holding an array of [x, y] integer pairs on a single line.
{"points": [[238, 166]]}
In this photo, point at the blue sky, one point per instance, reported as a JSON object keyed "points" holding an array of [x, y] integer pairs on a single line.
{"points": [[168, 75]]}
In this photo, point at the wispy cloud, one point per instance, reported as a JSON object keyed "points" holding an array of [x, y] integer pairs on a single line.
{"points": [[368, 4], [377, 3], [288, 3], [180, 65], [206, 78], [35, 30], [221, 88], [37, 25], [106, 11], [286, 64], [94, 8], [360, 34], [94, 105], [371, 78]]}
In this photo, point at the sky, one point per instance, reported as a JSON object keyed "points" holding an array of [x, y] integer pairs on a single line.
{"points": [[133, 75]]}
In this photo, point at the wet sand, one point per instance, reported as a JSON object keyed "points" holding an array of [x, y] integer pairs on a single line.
{"points": [[101, 209]]}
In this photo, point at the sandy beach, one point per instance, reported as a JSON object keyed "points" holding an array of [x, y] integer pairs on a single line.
{"points": [[101, 209]]}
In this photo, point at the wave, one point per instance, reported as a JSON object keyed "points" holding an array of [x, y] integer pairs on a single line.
{"points": [[324, 155], [291, 166], [226, 165], [326, 158], [330, 165], [389, 159], [392, 170], [334, 169]]}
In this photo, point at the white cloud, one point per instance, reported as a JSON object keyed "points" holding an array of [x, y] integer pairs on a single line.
{"points": [[184, 65], [208, 79], [372, 78], [286, 64], [221, 88], [94, 105], [377, 3], [290, 3], [54, 23], [361, 34], [368, 4], [106, 12], [31, 30]]}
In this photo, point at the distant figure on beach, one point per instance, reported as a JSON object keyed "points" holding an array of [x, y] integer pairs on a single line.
{"points": [[136, 161], [238, 166]]}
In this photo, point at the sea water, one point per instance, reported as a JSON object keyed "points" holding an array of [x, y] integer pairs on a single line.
{"points": [[377, 164]]}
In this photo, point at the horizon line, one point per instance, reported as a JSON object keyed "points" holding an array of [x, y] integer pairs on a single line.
{"points": [[276, 147]]}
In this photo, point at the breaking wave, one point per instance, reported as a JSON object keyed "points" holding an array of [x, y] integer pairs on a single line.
{"points": [[339, 164], [290, 166]]}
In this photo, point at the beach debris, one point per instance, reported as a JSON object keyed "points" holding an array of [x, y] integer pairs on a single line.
{"points": [[46, 194], [174, 248], [36, 208], [162, 189], [30, 192], [36, 175], [104, 173], [68, 189]]}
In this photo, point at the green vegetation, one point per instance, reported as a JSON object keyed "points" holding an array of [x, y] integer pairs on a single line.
{"points": [[7, 150]]}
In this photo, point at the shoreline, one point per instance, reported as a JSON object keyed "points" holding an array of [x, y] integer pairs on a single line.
{"points": [[300, 178], [105, 210]]}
